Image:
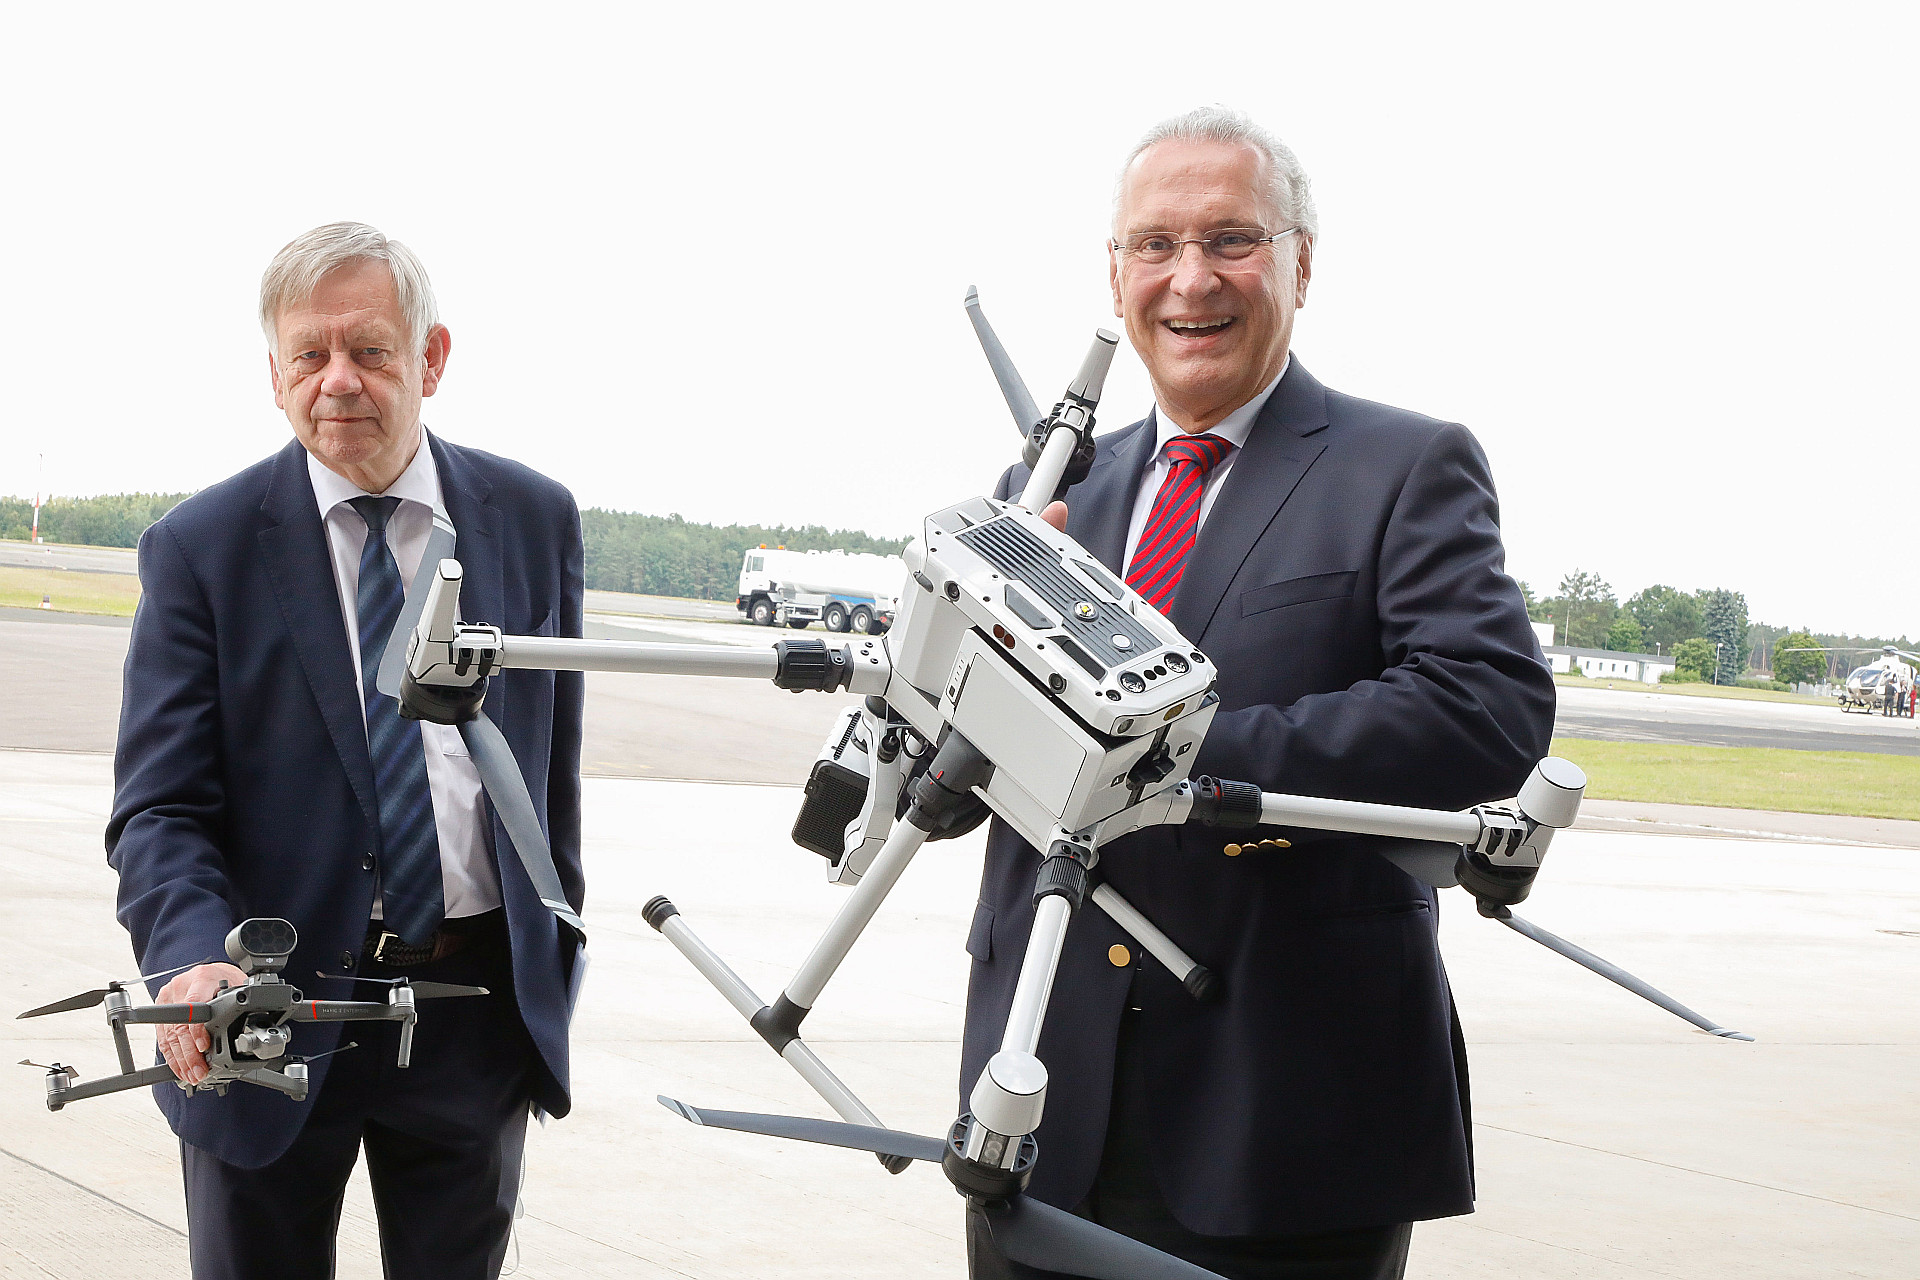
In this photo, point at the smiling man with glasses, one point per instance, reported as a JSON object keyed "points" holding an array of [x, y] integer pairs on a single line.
{"points": [[1340, 562]]}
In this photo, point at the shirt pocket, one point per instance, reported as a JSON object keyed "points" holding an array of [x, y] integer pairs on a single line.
{"points": [[980, 936], [1316, 586]]}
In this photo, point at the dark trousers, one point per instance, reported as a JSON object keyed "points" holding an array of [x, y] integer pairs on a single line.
{"points": [[443, 1142], [1126, 1198]]}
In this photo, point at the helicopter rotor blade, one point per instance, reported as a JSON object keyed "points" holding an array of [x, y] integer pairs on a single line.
{"points": [[832, 1133], [1036, 1234], [1012, 386], [1614, 973]]}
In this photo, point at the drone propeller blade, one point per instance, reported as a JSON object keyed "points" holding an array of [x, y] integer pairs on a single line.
{"points": [[339, 1048], [441, 990], [832, 1133], [1019, 400], [1037, 1234], [1614, 973], [85, 1000], [393, 659], [507, 788], [49, 1066], [354, 977]]}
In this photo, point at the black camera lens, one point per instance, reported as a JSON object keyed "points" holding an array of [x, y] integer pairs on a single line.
{"points": [[1131, 682]]}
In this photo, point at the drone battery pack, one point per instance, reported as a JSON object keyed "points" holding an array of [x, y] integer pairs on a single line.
{"points": [[836, 790], [834, 796]]}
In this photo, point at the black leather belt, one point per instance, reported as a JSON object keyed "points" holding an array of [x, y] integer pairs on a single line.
{"points": [[392, 951]]}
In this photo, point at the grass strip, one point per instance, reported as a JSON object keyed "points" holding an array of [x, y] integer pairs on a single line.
{"points": [[70, 590], [1858, 783]]}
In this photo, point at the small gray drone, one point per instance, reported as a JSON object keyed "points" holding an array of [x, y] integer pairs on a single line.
{"points": [[249, 1026]]}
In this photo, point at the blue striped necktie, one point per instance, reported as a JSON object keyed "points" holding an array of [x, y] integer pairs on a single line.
{"points": [[412, 899]]}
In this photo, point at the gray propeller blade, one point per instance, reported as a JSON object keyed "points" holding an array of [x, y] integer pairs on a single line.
{"points": [[1019, 400], [1039, 1235], [50, 1066], [1428, 861], [507, 788], [441, 990], [1614, 973], [88, 999], [832, 1133], [85, 1000], [393, 659]]}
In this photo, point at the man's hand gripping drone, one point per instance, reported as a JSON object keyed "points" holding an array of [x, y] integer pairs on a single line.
{"points": [[249, 1026], [1020, 677]]}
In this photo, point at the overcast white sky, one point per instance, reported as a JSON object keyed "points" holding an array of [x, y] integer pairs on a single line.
{"points": [[710, 259]]}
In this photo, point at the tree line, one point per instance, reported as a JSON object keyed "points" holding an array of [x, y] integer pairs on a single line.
{"points": [[1706, 632], [672, 556], [656, 555]]}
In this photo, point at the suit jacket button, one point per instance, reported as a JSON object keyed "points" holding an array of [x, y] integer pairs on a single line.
{"points": [[366, 863], [1119, 956], [346, 960]]}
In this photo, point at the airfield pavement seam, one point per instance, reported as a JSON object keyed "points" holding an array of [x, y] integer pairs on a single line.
{"points": [[98, 1195], [1704, 1173]]}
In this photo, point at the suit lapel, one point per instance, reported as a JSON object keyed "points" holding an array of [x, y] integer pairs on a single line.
{"points": [[476, 527], [1100, 508], [294, 550], [1277, 454]]}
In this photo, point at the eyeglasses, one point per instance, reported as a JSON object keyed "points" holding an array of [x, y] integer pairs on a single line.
{"points": [[1229, 244]]}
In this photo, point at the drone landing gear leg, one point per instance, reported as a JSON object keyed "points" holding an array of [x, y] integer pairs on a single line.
{"points": [[1202, 983], [947, 784], [1612, 972], [780, 1032]]}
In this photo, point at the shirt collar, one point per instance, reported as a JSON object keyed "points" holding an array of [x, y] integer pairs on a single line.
{"points": [[420, 482], [1234, 428]]}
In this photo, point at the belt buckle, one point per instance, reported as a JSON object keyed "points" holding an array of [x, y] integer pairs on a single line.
{"points": [[380, 947]]}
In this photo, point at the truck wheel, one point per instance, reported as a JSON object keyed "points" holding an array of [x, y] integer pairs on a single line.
{"points": [[798, 624], [835, 618], [863, 621], [761, 612]]}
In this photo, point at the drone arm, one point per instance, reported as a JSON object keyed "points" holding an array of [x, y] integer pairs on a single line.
{"points": [[144, 1078], [187, 1014], [344, 1011], [543, 653]]}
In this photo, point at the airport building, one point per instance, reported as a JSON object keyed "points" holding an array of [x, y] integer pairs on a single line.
{"points": [[1605, 664]]}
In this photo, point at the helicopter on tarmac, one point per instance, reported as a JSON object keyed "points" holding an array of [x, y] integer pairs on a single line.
{"points": [[1867, 688]]}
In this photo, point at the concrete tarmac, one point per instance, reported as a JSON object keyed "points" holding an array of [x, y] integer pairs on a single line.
{"points": [[1613, 1141], [1626, 715]]}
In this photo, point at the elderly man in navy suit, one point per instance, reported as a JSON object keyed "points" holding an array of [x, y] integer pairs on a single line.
{"points": [[1340, 562], [260, 773]]}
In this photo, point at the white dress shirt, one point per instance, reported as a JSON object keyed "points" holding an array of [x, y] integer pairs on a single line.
{"points": [[459, 808], [1234, 429]]}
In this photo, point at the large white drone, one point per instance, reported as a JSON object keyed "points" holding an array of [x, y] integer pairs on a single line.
{"points": [[1020, 677]]}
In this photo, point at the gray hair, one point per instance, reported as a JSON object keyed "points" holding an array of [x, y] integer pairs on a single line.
{"points": [[1287, 188], [296, 271]]}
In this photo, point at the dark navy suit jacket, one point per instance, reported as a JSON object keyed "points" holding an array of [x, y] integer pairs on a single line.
{"points": [[1349, 586], [242, 781]]}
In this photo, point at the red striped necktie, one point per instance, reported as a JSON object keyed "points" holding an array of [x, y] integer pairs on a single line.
{"points": [[1161, 556]]}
